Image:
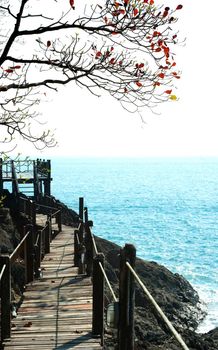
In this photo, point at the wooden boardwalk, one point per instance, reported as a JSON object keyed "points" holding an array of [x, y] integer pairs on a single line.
{"points": [[57, 309]]}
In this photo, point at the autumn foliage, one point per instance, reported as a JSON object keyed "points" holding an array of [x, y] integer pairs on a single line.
{"points": [[124, 47]]}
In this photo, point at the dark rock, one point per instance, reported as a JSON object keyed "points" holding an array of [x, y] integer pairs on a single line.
{"points": [[9, 235], [174, 294], [69, 216]]}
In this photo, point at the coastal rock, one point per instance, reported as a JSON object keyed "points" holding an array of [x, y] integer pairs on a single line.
{"points": [[173, 293], [9, 235], [9, 238]]}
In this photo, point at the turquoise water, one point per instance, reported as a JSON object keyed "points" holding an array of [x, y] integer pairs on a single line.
{"points": [[168, 208]]}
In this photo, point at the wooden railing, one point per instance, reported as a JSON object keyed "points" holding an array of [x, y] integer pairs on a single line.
{"points": [[25, 248], [27, 207], [92, 262], [34, 244], [24, 172]]}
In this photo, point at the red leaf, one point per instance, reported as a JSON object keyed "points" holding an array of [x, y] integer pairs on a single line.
{"points": [[141, 65], [156, 33], [165, 14], [98, 54], [9, 70], [156, 83], [161, 75], [72, 4], [166, 51], [112, 61], [168, 92], [48, 43], [173, 64], [158, 49], [15, 67], [176, 75], [179, 7], [138, 83], [151, 2], [135, 12]]}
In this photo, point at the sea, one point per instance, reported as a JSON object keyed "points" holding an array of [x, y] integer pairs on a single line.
{"points": [[166, 207]]}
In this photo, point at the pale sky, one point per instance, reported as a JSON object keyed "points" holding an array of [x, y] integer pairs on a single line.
{"points": [[90, 126]]}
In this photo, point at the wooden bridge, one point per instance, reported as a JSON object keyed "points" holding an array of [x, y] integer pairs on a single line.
{"points": [[64, 300], [56, 312]]}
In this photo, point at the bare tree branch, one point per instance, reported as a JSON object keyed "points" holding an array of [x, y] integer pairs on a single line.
{"points": [[122, 47]]}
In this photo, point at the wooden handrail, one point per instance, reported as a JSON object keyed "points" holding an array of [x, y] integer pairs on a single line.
{"points": [[174, 332], [2, 271], [95, 267], [33, 246], [18, 250]]}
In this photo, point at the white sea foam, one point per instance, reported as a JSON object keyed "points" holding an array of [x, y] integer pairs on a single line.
{"points": [[210, 304]]}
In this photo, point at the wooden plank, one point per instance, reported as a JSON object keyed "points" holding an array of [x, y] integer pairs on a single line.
{"points": [[56, 312]]}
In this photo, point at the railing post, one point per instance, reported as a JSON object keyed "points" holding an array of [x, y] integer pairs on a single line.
{"points": [[76, 248], [47, 236], [5, 298], [29, 254], [98, 296], [126, 299], [86, 215], [15, 186], [33, 212], [59, 219], [47, 182], [38, 254], [81, 208], [82, 251], [81, 232], [29, 209], [89, 250]]}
